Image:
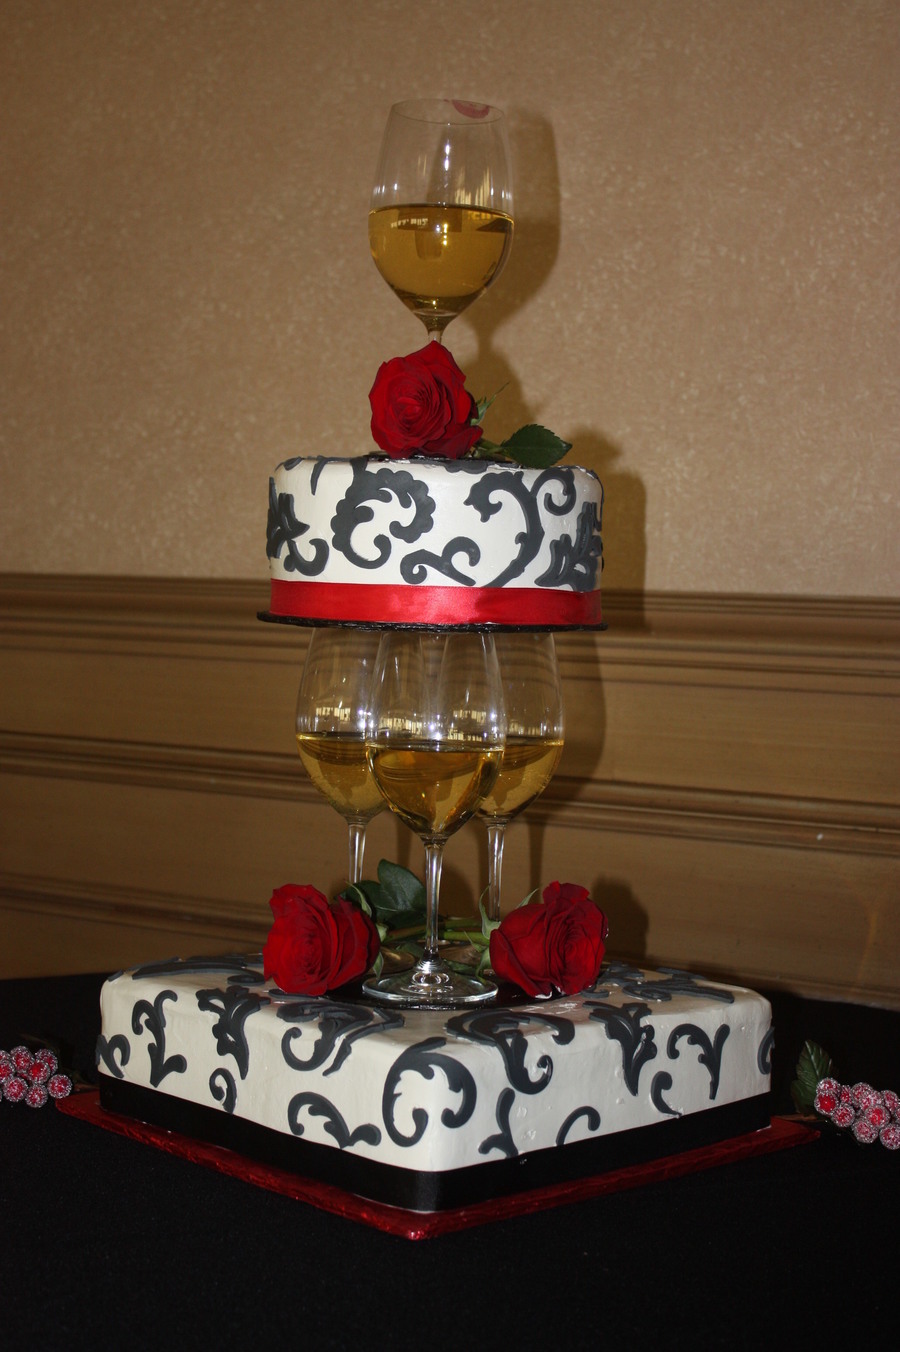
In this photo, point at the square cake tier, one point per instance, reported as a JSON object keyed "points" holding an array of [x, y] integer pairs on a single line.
{"points": [[431, 1110]]}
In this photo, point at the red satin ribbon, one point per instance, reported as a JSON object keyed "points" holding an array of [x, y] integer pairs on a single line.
{"points": [[379, 604]]}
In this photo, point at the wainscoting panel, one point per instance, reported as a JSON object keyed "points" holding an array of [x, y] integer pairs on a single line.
{"points": [[729, 789]]}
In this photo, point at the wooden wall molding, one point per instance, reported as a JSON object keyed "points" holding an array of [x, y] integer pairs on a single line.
{"points": [[729, 786]]}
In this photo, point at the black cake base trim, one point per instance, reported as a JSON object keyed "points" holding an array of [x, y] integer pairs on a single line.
{"points": [[488, 627], [429, 1192]]}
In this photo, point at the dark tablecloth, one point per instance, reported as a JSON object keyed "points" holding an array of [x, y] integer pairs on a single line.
{"points": [[108, 1243]]}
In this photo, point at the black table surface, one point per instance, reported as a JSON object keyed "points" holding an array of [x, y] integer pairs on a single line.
{"points": [[109, 1243]]}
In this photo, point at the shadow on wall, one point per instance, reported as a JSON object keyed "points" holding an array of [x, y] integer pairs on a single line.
{"points": [[531, 261]]}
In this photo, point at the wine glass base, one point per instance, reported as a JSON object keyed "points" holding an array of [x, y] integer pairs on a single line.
{"points": [[430, 985]]}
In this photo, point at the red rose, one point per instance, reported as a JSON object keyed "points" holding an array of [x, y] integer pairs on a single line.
{"points": [[315, 945], [554, 944], [420, 405]]}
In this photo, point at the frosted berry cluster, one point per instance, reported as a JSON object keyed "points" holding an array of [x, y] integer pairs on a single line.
{"points": [[870, 1115], [31, 1077]]}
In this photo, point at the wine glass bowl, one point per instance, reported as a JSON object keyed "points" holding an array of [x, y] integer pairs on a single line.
{"points": [[534, 741], [441, 217], [434, 742], [332, 710]]}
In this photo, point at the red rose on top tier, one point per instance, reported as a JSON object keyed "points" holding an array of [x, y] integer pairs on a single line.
{"points": [[557, 944], [315, 945], [420, 406]]}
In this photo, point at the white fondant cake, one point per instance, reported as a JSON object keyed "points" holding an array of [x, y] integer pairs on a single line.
{"points": [[434, 542], [429, 1110]]}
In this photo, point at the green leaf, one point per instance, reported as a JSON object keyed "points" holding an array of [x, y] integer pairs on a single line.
{"points": [[814, 1064], [535, 447], [397, 899]]}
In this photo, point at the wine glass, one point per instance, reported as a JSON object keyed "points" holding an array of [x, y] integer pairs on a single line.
{"points": [[434, 742], [534, 741], [332, 707], [441, 219]]}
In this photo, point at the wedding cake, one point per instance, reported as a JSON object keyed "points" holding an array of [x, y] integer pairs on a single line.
{"points": [[430, 1110], [434, 542]]}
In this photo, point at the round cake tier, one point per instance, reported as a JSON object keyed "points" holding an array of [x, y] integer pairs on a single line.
{"points": [[435, 544]]}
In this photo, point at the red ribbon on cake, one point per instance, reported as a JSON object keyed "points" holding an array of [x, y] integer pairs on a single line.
{"points": [[382, 604]]}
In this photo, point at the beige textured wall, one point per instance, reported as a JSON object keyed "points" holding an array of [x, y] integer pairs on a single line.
{"points": [[702, 293]]}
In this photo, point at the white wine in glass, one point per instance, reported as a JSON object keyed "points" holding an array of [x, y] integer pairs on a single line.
{"points": [[441, 219], [534, 741], [435, 739], [332, 709]]}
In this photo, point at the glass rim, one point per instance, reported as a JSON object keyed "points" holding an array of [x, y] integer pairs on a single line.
{"points": [[449, 112]]}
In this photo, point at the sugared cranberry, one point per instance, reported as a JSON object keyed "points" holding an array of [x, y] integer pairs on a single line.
{"points": [[15, 1089], [59, 1087], [36, 1096]]}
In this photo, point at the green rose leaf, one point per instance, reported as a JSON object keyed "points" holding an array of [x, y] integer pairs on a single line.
{"points": [[813, 1066], [535, 447], [397, 899]]}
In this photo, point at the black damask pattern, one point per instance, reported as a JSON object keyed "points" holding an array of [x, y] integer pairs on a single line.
{"points": [[659, 1085], [223, 1088], [661, 987], [424, 1058], [335, 1125], [233, 1006], [108, 1050], [503, 1139], [337, 1026], [764, 1053], [153, 1018], [591, 1116], [710, 1049], [485, 498], [501, 1028], [283, 530], [414, 567], [380, 485], [636, 1039], [574, 562], [242, 968]]}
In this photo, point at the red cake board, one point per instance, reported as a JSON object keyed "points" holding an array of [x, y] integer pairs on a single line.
{"points": [[781, 1133]]}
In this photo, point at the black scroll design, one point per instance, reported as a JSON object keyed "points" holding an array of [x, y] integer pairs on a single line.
{"points": [[658, 987], [335, 1126], [637, 1040], [414, 567], [233, 1006], [710, 1049], [659, 1085], [380, 485], [591, 1116], [283, 530], [484, 496], [240, 968], [502, 1140], [153, 1019], [501, 1028], [574, 561], [337, 1026], [223, 1088], [108, 1049], [764, 1052], [424, 1058]]}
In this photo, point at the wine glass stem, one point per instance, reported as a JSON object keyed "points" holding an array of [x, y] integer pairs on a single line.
{"points": [[495, 866], [357, 833], [434, 855]]}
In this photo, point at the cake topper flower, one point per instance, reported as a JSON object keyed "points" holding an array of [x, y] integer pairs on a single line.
{"points": [[315, 945], [420, 406], [556, 944]]}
